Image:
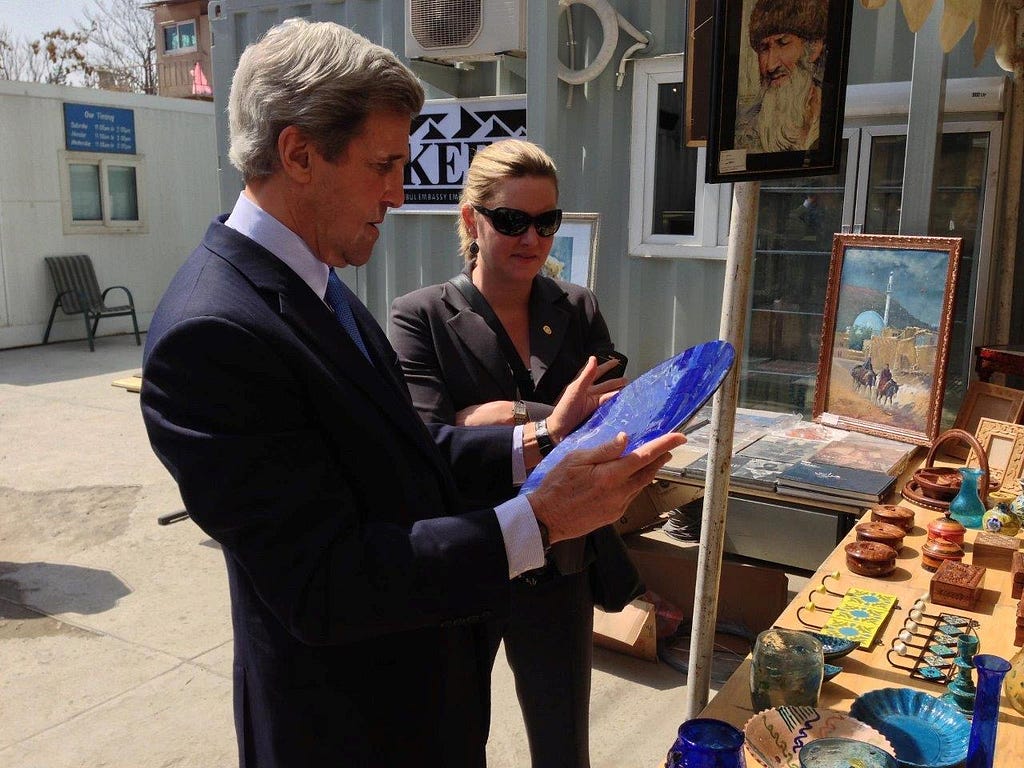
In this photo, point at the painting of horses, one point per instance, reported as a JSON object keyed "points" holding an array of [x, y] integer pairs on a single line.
{"points": [[885, 335]]}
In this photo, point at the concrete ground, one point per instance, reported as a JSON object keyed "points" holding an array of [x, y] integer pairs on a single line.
{"points": [[115, 636]]}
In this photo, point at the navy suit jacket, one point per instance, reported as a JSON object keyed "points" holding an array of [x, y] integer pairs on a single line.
{"points": [[356, 593]]}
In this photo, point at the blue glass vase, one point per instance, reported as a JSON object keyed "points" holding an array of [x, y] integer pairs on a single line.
{"points": [[707, 743], [967, 508], [982, 746]]}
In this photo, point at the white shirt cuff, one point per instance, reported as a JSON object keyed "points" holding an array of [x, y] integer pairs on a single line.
{"points": [[523, 545], [518, 461]]}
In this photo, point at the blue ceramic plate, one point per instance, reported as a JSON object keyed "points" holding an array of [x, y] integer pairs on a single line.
{"points": [[925, 731], [831, 670], [834, 647], [658, 402]]}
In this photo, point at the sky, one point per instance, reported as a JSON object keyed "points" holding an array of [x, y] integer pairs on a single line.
{"points": [[30, 18]]}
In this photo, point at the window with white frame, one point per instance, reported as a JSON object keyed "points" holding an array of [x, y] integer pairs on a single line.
{"points": [[180, 37], [100, 192], [672, 212]]}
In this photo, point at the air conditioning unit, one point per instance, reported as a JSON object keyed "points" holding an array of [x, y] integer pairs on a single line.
{"points": [[464, 30]]}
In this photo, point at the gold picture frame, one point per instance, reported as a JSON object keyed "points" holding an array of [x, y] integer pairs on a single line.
{"points": [[885, 335], [1003, 444]]}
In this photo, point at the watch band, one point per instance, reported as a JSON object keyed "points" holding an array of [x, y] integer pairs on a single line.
{"points": [[519, 413], [545, 536], [544, 442]]}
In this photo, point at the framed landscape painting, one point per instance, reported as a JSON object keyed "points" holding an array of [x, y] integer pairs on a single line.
{"points": [[778, 88], [885, 335]]}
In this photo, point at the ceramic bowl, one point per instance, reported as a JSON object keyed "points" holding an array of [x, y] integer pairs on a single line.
{"points": [[831, 670], [842, 753], [774, 736], [941, 483], [832, 647], [925, 731], [869, 558], [894, 514]]}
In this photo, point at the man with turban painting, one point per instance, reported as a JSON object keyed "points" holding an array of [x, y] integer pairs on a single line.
{"points": [[788, 37]]}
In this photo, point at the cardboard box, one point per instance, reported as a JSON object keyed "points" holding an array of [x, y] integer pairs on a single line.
{"points": [[750, 597], [957, 585], [993, 550], [652, 502], [632, 630]]}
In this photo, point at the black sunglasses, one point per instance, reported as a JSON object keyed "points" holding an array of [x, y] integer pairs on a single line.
{"points": [[513, 222]]}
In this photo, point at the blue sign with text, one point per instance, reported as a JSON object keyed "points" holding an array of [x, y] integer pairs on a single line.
{"points": [[90, 128]]}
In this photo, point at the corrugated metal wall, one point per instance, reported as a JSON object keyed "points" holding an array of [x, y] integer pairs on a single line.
{"points": [[654, 307]]}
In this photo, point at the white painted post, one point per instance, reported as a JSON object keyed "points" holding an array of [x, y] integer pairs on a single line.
{"points": [[742, 230]]}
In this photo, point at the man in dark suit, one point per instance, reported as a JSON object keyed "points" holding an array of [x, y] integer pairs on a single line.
{"points": [[274, 399]]}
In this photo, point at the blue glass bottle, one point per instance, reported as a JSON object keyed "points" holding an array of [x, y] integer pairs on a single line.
{"points": [[967, 508], [982, 746]]}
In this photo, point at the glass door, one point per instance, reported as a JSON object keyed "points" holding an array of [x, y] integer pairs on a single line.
{"points": [[793, 246], [796, 221], [964, 190]]}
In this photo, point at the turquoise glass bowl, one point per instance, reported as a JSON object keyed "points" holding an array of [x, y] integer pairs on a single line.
{"points": [[658, 402], [925, 731]]}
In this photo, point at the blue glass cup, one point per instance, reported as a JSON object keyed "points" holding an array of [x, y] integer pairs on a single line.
{"points": [[707, 743]]}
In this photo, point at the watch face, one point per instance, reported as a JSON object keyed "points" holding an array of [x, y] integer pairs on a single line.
{"points": [[519, 414]]}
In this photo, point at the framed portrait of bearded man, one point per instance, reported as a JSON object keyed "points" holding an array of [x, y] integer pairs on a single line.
{"points": [[778, 88]]}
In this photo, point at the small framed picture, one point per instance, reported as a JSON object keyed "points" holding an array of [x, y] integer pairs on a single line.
{"points": [[885, 335], [984, 400], [574, 250], [778, 88], [1003, 444]]}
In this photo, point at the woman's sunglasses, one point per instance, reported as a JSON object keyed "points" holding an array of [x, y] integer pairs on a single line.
{"points": [[513, 222]]}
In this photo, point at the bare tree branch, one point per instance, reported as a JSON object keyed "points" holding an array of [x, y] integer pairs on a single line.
{"points": [[122, 44]]}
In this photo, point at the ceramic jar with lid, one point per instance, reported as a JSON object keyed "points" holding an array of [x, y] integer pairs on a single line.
{"points": [[894, 514], [883, 533], [948, 529], [870, 558], [935, 551]]}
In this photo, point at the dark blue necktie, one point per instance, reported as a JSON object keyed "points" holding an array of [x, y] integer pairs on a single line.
{"points": [[339, 298]]}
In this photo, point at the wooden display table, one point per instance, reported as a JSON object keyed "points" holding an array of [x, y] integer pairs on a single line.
{"points": [[869, 670]]}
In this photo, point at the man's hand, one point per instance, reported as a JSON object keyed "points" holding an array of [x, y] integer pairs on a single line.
{"points": [[581, 398], [592, 488]]}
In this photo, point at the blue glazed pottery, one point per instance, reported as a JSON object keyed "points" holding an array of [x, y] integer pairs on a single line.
{"points": [[925, 731], [967, 507], [831, 646], [656, 403], [707, 743]]}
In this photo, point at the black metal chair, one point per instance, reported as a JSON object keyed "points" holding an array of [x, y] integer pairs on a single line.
{"points": [[78, 292]]}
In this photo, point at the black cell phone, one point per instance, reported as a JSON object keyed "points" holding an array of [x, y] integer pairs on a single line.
{"points": [[618, 370]]}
